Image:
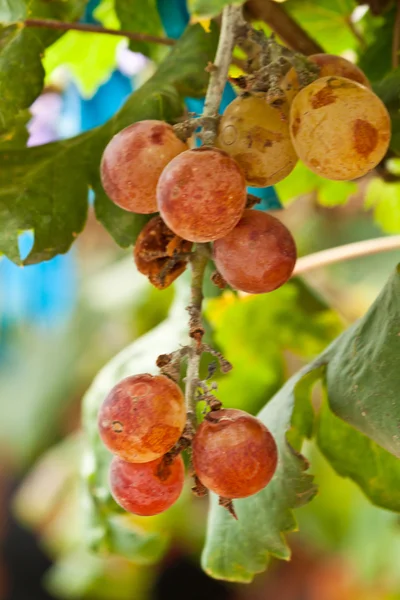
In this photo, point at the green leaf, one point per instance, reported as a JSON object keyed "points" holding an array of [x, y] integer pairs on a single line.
{"points": [[293, 319], [356, 456], [358, 431], [326, 21], [302, 181], [17, 135], [376, 58], [89, 69], [37, 191], [12, 10], [141, 16], [21, 70], [363, 375], [237, 550], [123, 226], [388, 90], [105, 530], [384, 198], [198, 49], [334, 193], [206, 9]]}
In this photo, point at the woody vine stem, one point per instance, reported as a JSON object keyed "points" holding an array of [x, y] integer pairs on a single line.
{"points": [[231, 19]]}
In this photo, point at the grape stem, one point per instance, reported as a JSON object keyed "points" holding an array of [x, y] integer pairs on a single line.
{"points": [[89, 28], [231, 19]]}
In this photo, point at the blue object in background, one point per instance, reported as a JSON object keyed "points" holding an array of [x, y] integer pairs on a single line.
{"points": [[46, 294]]}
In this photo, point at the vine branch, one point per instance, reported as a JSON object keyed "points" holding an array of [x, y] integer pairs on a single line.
{"points": [[231, 18], [65, 26], [346, 252]]}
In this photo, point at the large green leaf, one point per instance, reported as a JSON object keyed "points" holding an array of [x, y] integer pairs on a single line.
{"points": [[363, 375], [21, 48], [104, 529], [326, 21], [237, 550], [357, 430], [356, 456], [45, 188]]}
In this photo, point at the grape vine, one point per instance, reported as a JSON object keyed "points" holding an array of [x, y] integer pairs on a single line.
{"points": [[284, 113]]}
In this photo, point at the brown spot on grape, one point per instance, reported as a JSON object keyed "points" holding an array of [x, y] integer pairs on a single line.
{"points": [[365, 137], [249, 164], [324, 97], [296, 126], [159, 437], [157, 134], [117, 427], [260, 138]]}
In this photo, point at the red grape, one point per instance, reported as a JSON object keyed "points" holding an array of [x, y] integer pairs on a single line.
{"points": [[201, 194], [146, 489], [133, 161], [234, 454], [258, 255], [142, 417]]}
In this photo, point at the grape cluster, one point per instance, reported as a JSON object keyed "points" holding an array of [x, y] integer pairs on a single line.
{"points": [[141, 422], [341, 130]]}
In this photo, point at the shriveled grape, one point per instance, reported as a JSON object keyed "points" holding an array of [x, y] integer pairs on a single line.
{"points": [[340, 129], [329, 64], [257, 136], [142, 417], [149, 488], [160, 254], [133, 161], [258, 255], [201, 194], [234, 454]]}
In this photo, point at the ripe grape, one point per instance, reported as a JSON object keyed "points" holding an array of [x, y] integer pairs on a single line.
{"points": [[158, 253], [201, 194], [257, 256], [133, 161], [149, 488], [340, 129], [329, 65], [257, 136], [234, 454], [142, 417]]}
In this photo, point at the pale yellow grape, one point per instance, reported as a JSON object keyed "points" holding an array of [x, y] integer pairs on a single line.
{"points": [[257, 136], [340, 129]]}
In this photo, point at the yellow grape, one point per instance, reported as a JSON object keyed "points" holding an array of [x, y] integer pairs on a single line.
{"points": [[340, 129], [257, 136], [329, 64]]}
